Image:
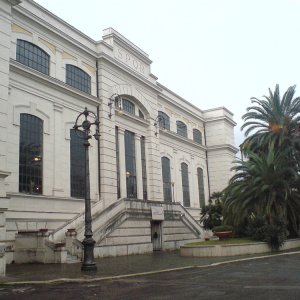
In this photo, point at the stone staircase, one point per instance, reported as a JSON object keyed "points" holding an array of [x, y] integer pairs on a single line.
{"points": [[117, 229]]}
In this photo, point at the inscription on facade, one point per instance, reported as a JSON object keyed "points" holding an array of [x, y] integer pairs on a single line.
{"points": [[130, 60], [157, 213]]}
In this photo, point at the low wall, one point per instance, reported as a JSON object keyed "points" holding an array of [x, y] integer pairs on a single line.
{"points": [[233, 249]]}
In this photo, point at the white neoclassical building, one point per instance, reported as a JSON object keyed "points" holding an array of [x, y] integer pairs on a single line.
{"points": [[156, 163]]}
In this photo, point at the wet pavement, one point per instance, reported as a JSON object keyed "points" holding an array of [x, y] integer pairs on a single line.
{"points": [[265, 277], [161, 275], [113, 266]]}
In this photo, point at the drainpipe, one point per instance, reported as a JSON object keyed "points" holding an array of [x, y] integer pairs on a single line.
{"points": [[98, 142], [206, 156]]}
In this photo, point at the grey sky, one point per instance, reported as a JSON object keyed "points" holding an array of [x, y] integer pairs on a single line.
{"points": [[211, 52]]}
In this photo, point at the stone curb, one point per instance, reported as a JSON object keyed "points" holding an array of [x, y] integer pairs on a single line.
{"points": [[83, 280]]}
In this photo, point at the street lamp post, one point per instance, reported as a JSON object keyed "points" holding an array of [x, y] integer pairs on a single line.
{"points": [[83, 131]]}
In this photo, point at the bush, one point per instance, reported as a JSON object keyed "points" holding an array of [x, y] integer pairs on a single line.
{"points": [[255, 228], [274, 234]]}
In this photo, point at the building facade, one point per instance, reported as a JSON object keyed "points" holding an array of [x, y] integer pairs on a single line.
{"points": [[156, 163]]}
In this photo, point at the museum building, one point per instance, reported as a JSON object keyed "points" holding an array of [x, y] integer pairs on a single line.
{"points": [[155, 163]]}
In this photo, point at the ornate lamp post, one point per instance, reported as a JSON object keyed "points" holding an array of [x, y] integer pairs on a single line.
{"points": [[83, 131]]}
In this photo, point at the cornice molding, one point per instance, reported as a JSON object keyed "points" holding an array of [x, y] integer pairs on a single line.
{"points": [[222, 147], [14, 2], [181, 107], [221, 118], [56, 30], [183, 140], [126, 44], [53, 82]]}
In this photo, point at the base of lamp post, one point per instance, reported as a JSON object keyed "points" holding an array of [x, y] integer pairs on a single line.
{"points": [[88, 255]]}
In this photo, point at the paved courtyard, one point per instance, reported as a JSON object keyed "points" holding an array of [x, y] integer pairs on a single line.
{"points": [[272, 277]]}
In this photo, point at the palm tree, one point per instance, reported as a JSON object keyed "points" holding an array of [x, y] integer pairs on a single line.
{"points": [[263, 185], [272, 119], [267, 184]]}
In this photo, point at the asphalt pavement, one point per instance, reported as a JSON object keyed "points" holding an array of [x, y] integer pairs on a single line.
{"points": [[163, 275]]}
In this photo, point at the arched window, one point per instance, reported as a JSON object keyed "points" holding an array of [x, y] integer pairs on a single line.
{"points": [[163, 120], [77, 157], [201, 187], [185, 185], [78, 79], [181, 128], [32, 56], [31, 154], [166, 176], [141, 115], [128, 106], [197, 136]]}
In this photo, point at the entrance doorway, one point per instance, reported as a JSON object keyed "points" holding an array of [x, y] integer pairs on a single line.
{"points": [[156, 236]]}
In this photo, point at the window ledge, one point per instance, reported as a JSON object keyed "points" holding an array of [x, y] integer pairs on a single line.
{"points": [[51, 81]]}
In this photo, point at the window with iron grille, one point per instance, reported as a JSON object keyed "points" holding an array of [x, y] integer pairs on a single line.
{"points": [[166, 176], [144, 169], [163, 120], [197, 136], [77, 156], [130, 164], [185, 184], [31, 155], [78, 79], [128, 106], [32, 56], [181, 128], [201, 187]]}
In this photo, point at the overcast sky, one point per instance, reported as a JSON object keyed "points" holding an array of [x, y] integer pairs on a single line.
{"points": [[211, 52]]}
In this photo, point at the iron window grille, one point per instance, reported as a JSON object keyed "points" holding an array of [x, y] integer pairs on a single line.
{"points": [[32, 56], [78, 79]]}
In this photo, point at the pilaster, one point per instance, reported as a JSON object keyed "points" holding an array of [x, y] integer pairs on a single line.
{"points": [[58, 188], [5, 34]]}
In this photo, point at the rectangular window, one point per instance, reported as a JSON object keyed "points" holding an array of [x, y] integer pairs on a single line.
{"points": [[201, 187], [144, 169], [118, 163], [31, 154], [130, 164], [185, 185], [77, 155], [166, 176]]}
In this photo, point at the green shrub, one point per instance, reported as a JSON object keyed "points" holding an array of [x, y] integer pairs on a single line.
{"points": [[255, 228], [274, 234]]}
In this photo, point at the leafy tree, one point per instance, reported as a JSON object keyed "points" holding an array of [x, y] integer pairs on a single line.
{"points": [[212, 214]]}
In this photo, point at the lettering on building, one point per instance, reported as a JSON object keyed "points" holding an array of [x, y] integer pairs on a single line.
{"points": [[130, 60]]}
